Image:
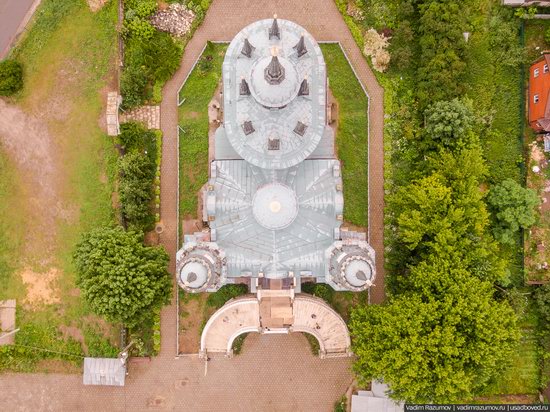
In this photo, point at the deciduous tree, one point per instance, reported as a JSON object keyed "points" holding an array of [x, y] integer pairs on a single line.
{"points": [[120, 278]]}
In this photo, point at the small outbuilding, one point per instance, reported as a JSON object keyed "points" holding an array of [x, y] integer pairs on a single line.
{"points": [[104, 371]]}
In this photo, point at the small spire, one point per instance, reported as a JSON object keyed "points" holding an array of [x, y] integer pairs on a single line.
{"points": [[274, 73], [247, 48], [304, 88], [274, 30], [244, 90], [301, 47]]}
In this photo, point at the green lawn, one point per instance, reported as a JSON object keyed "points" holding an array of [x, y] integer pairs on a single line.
{"points": [[193, 119], [67, 55], [352, 134], [351, 138]]}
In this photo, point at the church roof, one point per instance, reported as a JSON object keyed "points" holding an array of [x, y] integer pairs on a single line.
{"points": [[274, 74]]}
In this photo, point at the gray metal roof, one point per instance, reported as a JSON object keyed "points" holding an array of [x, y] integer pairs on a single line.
{"points": [[104, 371], [274, 201], [274, 221], [274, 108]]}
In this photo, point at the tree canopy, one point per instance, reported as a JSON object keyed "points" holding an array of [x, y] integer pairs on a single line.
{"points": [[439, 342], [513, 208], [120, 278]]}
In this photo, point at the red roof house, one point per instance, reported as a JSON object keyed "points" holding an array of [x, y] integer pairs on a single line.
{"points": [[539, 94]]}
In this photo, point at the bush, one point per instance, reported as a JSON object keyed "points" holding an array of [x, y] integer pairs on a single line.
{"points": [[226, 293], [136, 190], [132, 87], [136, 139], [149, 63], [11, 77], [513, 208], [547, 35], [448, 124], [321, 290]]}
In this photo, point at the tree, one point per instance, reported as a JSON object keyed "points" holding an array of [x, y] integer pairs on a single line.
{"points": [[136, 189], [440, 342], [513, 208], [449, 124], [11, 77], [120, 278]]}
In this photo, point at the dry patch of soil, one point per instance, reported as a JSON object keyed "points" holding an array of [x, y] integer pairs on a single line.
{"points": [[29, 144], [41, 287], [191, 320], [96, 5], [57, 366], [74, 333]]}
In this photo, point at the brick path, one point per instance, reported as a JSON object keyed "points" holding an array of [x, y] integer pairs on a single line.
{"points": [[276, 372]]}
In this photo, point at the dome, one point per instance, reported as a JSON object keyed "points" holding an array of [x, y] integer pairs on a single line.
{"points": [[194, 274], [357, 271], [268, 118], [274, 93], [275, 206]]}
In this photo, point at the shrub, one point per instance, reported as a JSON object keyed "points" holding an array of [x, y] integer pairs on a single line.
{"points": [[513, 208], [321, 290], [149, 63], [132, 87], [138, 28], [376, 47], [226, 292], [449, 124], [136, 139], [11, 77], [120, 278], [136, 190], [237, 346], [547, 35]]}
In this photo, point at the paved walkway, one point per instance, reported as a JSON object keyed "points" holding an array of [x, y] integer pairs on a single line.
{"points": [[274, 373]]}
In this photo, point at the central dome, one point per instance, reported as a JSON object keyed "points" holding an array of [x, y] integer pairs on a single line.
{"points": [[278, 91], [275, 206]]}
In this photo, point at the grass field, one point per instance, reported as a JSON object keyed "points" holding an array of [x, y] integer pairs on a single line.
{"points": [[352, 134], [67, 56], [193, 119], [351, 138]]}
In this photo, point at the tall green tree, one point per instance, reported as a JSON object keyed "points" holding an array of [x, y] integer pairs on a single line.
{"points": [[449, 124], [513, 208], [441, 341], [120, 278]]}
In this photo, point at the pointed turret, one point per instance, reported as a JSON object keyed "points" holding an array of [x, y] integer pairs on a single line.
{"points": [[301, 47], [247, 48], [274, 29], [244, 90], [274, 72], [304, 88]]}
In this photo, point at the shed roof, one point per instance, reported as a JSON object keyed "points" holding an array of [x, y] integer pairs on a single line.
{"points": [[104, 371]]}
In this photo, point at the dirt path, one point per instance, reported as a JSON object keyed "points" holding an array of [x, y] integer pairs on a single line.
{"points": [[28, 143]]}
